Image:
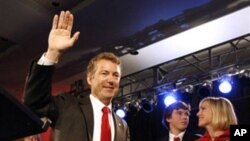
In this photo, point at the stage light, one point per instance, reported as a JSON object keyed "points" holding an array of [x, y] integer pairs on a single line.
{"points": [[225, 87], [189, 89], [121, 113], [225, 84], [134, 106], [185, 94], [245, 73], [169, 100], [147, 105], [205, 89]]}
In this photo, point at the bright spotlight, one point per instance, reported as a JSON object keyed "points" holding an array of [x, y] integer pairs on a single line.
{"points": [[225, 87], [121, 113], [169, 100]]}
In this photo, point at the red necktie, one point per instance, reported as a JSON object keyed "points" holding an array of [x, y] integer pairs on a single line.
{"points": [[176, 139], [106, 131]]}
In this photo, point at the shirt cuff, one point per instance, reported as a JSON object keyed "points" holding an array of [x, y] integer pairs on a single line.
{"points": [[45, 61]]}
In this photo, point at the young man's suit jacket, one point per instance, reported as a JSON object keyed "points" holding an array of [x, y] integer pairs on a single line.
{"points": [[187, 137]]}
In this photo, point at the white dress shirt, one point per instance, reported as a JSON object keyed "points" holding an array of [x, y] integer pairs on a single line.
{"points": [[45, 61], [171, 136], [97, 108]]}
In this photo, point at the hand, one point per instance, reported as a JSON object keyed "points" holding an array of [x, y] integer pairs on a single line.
{"points": [[60, 36]]}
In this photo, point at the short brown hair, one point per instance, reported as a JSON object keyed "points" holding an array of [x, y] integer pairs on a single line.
{"points": [[102, 56], [174, 106]]}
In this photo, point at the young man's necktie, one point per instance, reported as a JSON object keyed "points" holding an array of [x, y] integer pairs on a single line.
{"points": [[176, 139]]}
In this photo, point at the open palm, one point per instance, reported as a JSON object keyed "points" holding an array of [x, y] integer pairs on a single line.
{"points": [[60, 36], [59, 39]]}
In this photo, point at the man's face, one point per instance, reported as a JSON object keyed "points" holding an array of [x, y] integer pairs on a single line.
{"points": [[105, 80], [179, 120]]}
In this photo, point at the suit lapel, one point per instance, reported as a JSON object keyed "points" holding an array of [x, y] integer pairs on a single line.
{"points": [[187, 137], [165, 137], [118, 127], [87, 111]]}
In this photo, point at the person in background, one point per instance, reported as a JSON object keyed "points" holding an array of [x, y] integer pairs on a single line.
{"points": [[176, 120], [216, 114], [88, 118]]}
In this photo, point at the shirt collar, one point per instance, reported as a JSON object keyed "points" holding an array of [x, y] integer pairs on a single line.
{"points": [[171, 136], [98, 104]]}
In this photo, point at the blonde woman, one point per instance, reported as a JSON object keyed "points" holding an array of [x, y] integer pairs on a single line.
{"points": [[216, 114]]}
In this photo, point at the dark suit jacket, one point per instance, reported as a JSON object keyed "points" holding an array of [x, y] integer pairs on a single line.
{"points": [[187, 137], [72, 118]]}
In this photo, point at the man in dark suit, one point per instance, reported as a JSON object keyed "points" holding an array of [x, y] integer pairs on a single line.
{"points": [[76, 118], [176, 119]]}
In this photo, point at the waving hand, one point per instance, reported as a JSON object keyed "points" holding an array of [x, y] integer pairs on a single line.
{"points": [[60, 36]]}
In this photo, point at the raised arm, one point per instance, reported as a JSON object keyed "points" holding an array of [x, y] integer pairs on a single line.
{"points": [[39, 81], [60, 36]]}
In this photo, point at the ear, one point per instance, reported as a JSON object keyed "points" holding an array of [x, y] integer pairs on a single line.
{"points": [[168, 119], [89, 80]]}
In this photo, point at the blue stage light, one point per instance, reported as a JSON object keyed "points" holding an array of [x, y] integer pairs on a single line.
{"points": [[121, 113], [169, 100], [225, 87]]}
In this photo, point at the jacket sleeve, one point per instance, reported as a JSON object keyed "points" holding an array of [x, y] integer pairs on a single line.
{"points": [[37, 93]]}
